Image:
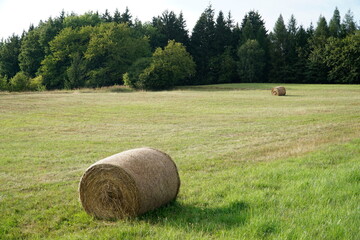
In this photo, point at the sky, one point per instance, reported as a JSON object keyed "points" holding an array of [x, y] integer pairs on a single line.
{"points": [[17, 15]]}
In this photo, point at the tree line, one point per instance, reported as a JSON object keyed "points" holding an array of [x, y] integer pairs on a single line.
{"points": [[95, 50]]}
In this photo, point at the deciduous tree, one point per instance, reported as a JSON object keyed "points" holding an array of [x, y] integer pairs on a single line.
{"points": [[169, 67], [9, 53]]}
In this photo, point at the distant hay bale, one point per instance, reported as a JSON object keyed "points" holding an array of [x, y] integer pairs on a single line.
{"points": [[129, 184], [278, 91]]}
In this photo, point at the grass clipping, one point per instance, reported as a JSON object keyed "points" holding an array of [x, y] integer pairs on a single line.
{"points": [[278, 91], [129, 184]]}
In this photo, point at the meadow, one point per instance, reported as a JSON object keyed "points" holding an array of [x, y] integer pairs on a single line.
{"points": [[252, 165]]}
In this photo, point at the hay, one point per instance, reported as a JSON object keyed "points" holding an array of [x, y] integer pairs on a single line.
{"points": [[278, 91], [129, 184]]}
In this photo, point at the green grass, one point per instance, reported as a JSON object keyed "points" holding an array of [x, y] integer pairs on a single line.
{"points": [[252, 166]]}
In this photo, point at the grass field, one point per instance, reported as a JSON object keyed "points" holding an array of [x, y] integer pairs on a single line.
{"points": [[252, 166]]}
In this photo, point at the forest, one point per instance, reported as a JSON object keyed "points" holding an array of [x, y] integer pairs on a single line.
{"points": [[94, 50]]}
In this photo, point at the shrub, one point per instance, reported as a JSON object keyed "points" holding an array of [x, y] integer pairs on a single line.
{"points": [[167, 68], [36, 84], [4, 83], [131, 78], [20, 82], [156, 78]]}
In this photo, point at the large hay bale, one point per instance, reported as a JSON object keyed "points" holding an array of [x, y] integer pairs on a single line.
{"points": [[129, 184], [278, 91]]}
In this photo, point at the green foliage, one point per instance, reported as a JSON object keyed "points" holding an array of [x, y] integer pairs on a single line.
{"points": [[223, 33], [280, 39], [4, 83], [87, 19], [36, 84], [65, 46], [20, 82], [94, 50], [348, 25], [317, 69], [322, 29], [106, 17], [131, 78], [111, 51], [151, 32], [126, 17], [253, 28], [32, 53], [334, 24], [46, 32], [169, 67], [343, 59], [117, 16], [156, 77], [223, 67], [251, 62], [9, 52], [170, 27], [202, 45], [76, 72]]}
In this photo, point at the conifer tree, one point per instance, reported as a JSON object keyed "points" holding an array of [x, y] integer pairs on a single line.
{"points": [[251, 62], [280, 46], [117, 16], [348, 25], [292, 56], [334, 24], [202, 44], [107, 16], [183, 33], [222, 34], [253, 28], [171, 27], [317, 70], [302, 51], [126, 17]]}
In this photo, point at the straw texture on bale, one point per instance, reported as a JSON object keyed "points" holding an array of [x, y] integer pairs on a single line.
{"points": [[278, 91], [129, 184]]}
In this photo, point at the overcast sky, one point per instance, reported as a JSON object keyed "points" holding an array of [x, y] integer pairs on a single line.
{"points": [[17, 15]]}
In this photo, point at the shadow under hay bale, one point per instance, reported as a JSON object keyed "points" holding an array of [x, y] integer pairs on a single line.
{"points": [[278, 91], [129, 184]]}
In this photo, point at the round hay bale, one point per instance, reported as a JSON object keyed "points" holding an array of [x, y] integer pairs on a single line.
{"points": [[129, 184], [278, 91]]}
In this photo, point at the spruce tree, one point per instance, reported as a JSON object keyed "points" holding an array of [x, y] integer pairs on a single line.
{"points": [[117, 16], [106, 17], [183, 33], [251, 62], [280, 45], [334, 24], [222, 36], [302, 51], [348, 25], [291, 55], [126, 17], [171, 27], [253, 28], [322, 30], [202, 45], [317, 70]]}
